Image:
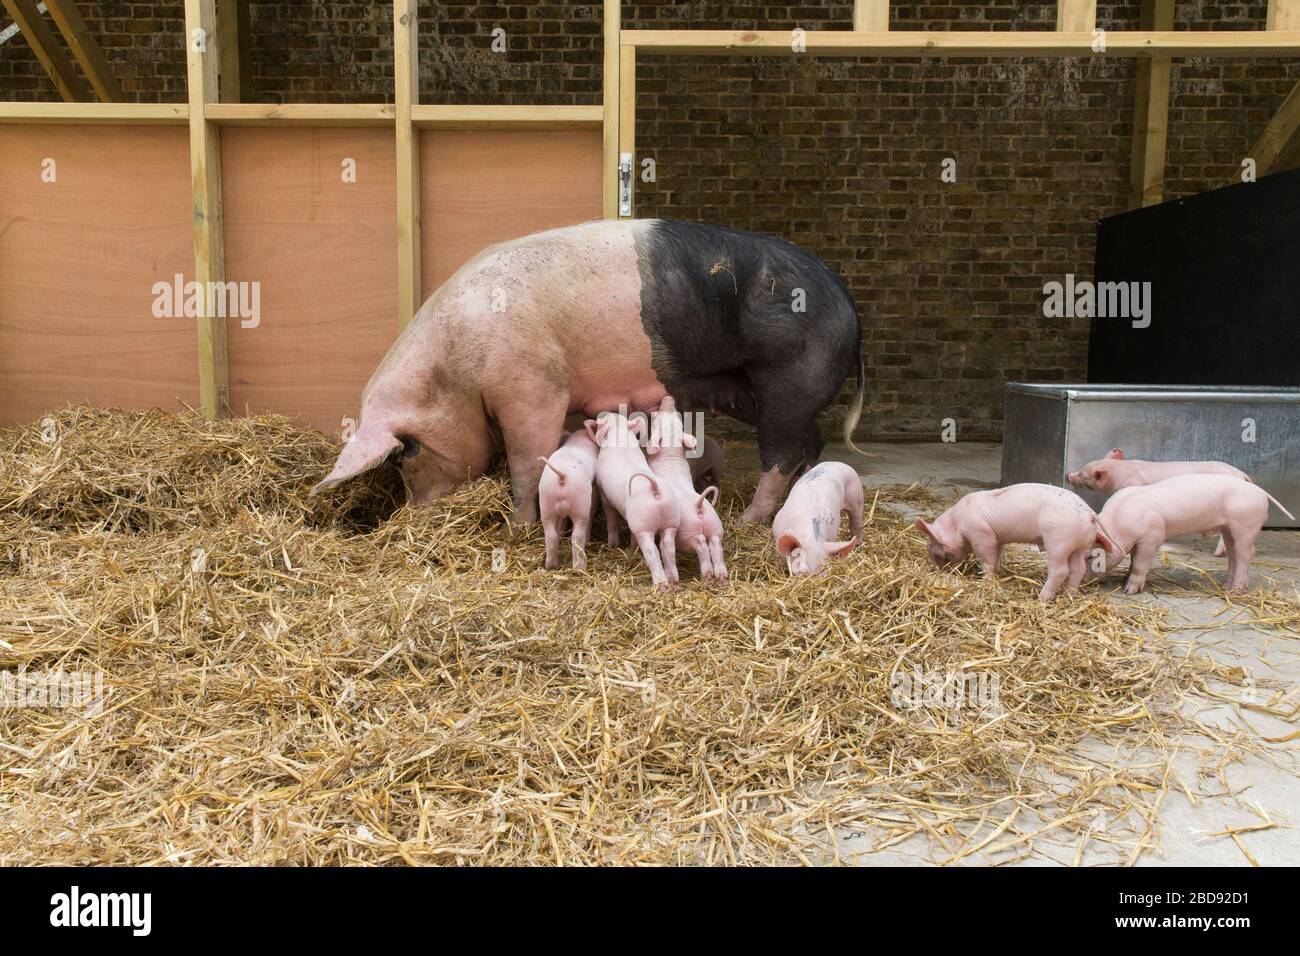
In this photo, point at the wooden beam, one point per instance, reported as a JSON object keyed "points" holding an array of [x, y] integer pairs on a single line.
{"points": [[508, 117], [406, 78], [1278, 147], [967, 43], [202, 57], [870, 15], [609, 101], [1076, 16], [68, 19], [1151, 114], [45, 45], [236, 73], [301, 114], [1283, 15], [627, 116], [116, 114]]}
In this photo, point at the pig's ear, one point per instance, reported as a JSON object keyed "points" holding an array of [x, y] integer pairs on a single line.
{"points": [[593, 429], [786, 543], [1115, 453], [840, 548], [929, 532], [368, 448]]}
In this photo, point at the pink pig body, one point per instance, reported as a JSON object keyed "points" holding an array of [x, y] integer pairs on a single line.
{"points": [[628, 487], [808, 524], [700, 528], [1141, 517], [1057, 520], [1113, 472], [566, 490]]}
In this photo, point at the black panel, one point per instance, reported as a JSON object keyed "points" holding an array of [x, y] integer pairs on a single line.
{"points": [[1225, 295]]}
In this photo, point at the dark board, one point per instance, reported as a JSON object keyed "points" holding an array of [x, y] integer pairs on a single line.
{"points": [[1224, 268]]}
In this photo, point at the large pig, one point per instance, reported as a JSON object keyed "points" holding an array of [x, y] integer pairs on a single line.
{"points": [[1057, 520], [607, 314], [1141, 517]]}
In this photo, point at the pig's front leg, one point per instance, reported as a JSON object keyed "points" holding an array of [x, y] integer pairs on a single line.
{"points": [[771, 485], [531, 432], [988, 551]]}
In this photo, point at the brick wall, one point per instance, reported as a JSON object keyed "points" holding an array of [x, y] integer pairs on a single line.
{"points": [[840, 155]]}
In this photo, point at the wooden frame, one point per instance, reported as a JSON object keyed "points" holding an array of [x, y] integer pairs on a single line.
{"points": [[615, 116]]}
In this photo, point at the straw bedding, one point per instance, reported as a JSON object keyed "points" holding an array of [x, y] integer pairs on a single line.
{"points": [[344, 680]]}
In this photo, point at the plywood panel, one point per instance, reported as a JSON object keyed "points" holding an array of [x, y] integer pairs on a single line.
{"points": [[324, 253], [479, 187], [78, 261]]}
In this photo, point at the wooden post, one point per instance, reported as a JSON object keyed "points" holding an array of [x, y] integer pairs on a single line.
{"points": [[610, 101], [1076, 16], [236, 57], [627, 114], [68, 19], [1278, 147], [1151, 114], [869, 15], [202, 60], [406, 78], [45, 45], [1283, 15]]}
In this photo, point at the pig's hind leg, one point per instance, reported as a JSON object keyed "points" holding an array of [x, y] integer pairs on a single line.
{"points": [[646, 541], [551, 529], [1059, 568], [668, 552], [578, 542], [1240, 543]]}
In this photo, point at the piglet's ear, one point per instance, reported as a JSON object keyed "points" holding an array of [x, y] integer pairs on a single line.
{"points": [[1115, 453], [840, 548], [786, 543], [929, 532], [593, 429]]}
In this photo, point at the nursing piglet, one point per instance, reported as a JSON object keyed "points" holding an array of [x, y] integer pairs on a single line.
{"points": [[566, 490], [808, 524], [1141, 517], [700, 528], [628, 487], [707, 467], [1057, 520]]}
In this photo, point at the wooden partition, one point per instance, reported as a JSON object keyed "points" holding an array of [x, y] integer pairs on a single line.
{"points": [[79, 257], [479, 187], [320, 245]]}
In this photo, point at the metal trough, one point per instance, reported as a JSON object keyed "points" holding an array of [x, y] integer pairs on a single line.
{"points": [[1051, 430]]}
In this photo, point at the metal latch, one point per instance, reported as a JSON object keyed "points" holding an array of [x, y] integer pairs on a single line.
{"points": [[625, 184]]}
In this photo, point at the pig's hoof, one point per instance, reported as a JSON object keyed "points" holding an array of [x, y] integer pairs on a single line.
{"points": [[1131, 588]]}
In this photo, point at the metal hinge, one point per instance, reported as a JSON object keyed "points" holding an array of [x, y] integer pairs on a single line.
{"points": [[625, 184]]}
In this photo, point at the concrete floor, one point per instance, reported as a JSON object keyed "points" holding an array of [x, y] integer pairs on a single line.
{"points": [[1190, 830]]}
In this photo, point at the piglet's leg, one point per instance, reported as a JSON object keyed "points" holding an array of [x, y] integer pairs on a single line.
{"points": [[1243, 550], [668, 551], [1078, 568], [551, 528], [646, 541], [719, 566], [1144, 555], [988, 551], [578, 543], [1058, 572], [701, 548], [611, 521], [853, 503]]}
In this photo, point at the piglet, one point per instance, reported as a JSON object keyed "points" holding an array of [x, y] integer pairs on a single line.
{"points": [[1141, 517], [628, 487], [700, 528], [707, 467], [1057, 520], [1114, 472], [808, 524], [566, 491]]}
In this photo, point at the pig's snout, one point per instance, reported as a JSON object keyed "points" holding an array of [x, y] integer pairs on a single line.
{"points": [[1073, 478]]}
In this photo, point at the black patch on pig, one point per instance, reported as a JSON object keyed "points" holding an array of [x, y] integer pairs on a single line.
{"points": [[716, 304]]}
